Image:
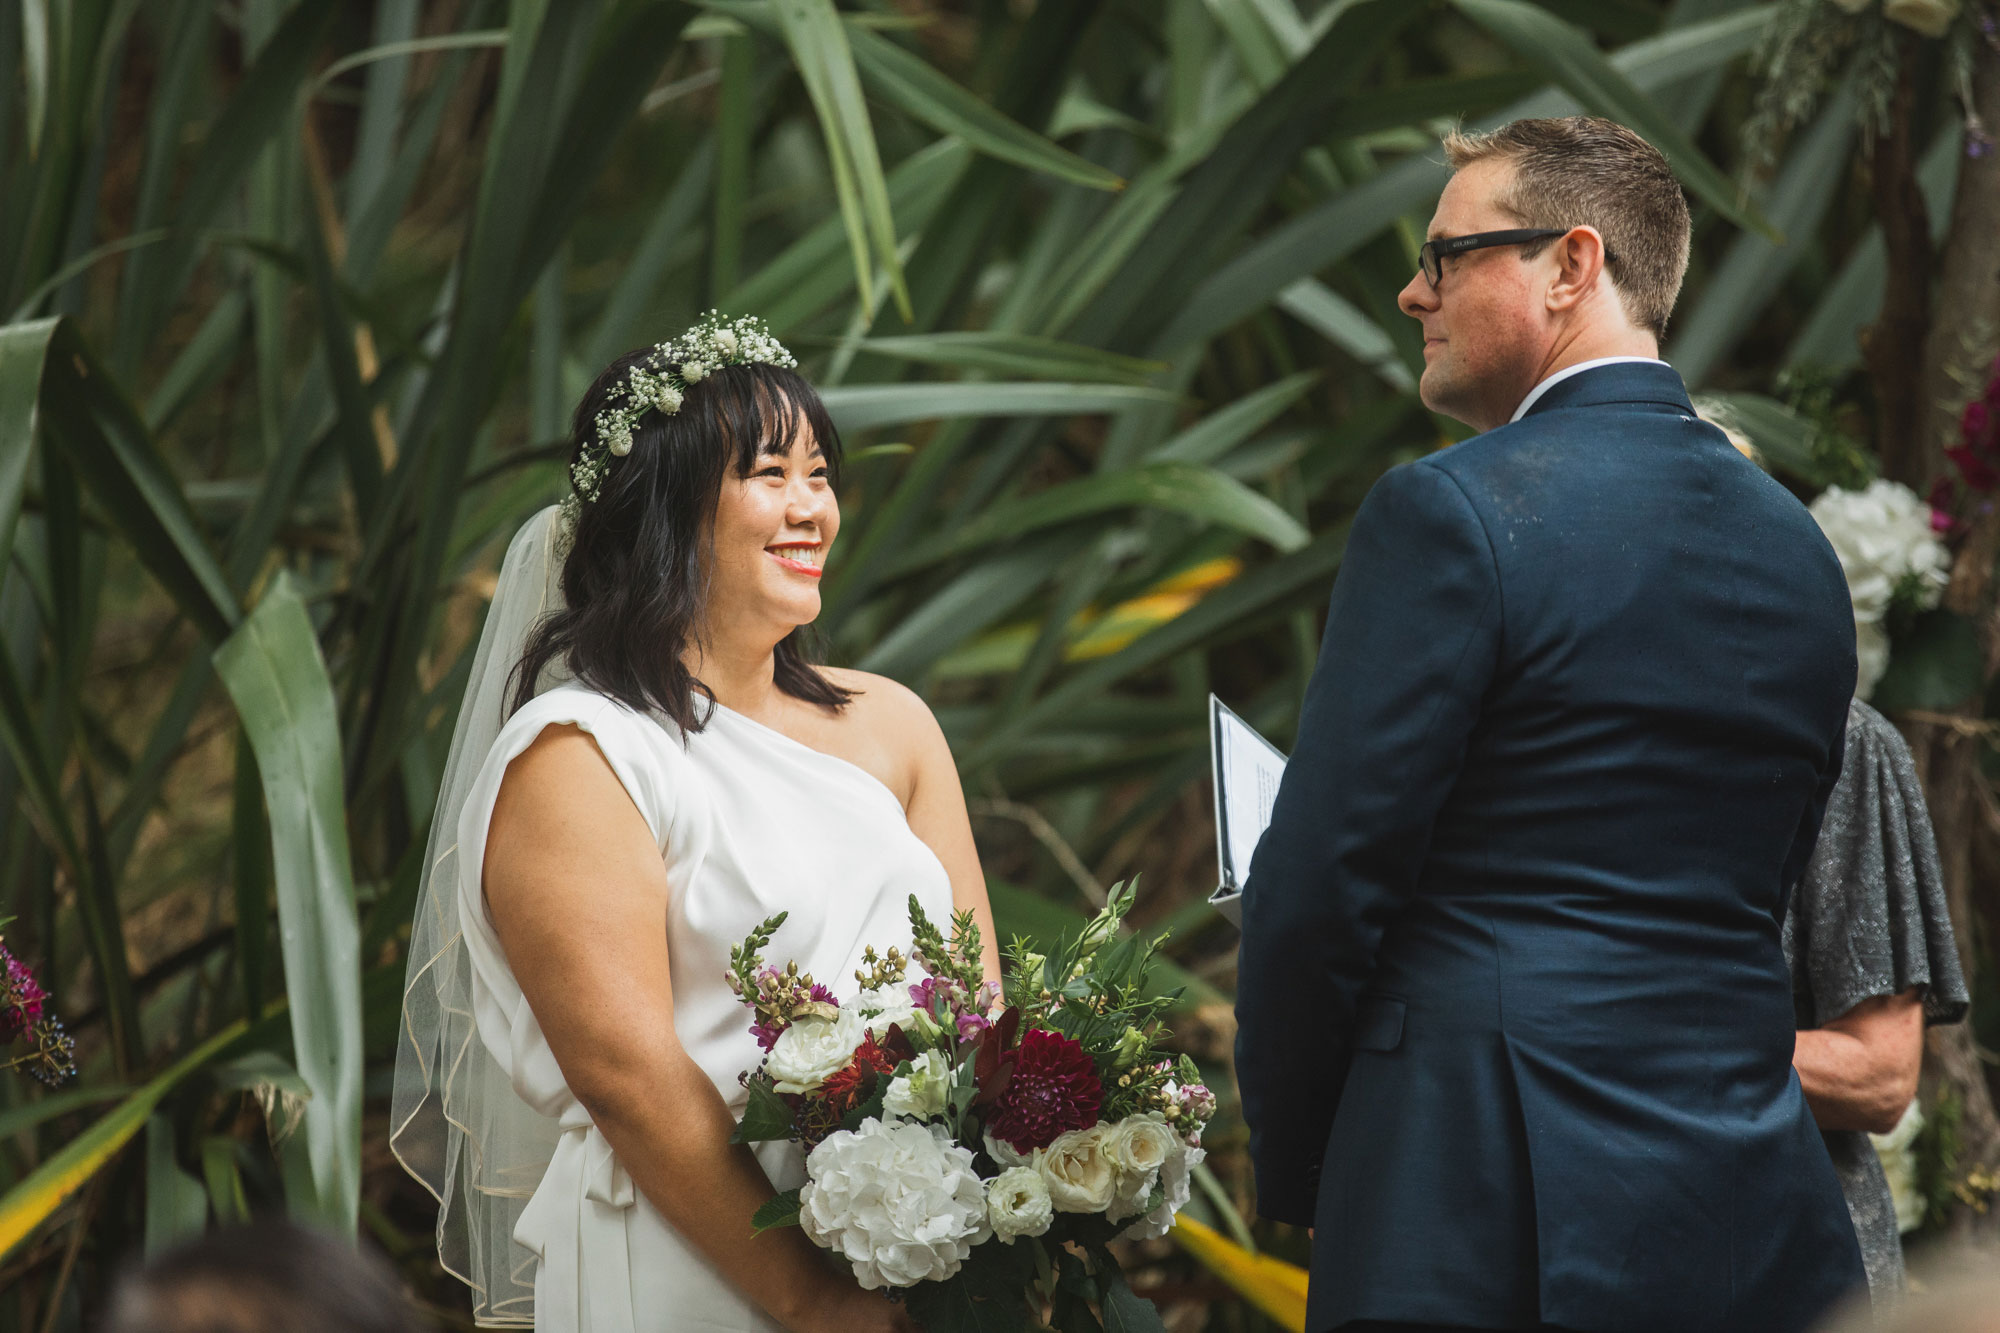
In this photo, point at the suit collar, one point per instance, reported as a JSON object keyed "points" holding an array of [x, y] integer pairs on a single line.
{"points": [[1613, 383]]}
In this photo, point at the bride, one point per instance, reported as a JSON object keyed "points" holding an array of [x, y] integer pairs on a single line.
{"points": [[646, 765]]}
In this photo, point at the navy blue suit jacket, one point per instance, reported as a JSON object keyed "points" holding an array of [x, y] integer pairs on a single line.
{"points": [[1515, 1028]]}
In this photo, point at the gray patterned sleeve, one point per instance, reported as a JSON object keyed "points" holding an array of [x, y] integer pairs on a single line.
{"points": [[1870, 918]]}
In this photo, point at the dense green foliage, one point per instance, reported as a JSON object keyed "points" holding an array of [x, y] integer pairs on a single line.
{"points": [[1101, 292]]}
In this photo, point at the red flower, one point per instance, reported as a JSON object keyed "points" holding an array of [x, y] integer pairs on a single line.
{"points": [[1977, 455], [1054, 1088], [850, 1087]]}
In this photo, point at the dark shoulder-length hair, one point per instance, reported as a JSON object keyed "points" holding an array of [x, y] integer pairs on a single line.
{"points": [[635, 581]]}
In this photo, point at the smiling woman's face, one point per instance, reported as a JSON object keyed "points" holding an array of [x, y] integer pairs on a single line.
{"points": [[773, 529]]}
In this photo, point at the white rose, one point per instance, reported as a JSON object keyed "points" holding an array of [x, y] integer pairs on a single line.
{"points": [[1017, 1204], [898, 1201], [1138, 1147], [692, 371], [921, 1094], [1176, 1178], [1932, 18], [726, 341], [621, 443], [812, 1050], [1871, 649], [1080, 1177]]}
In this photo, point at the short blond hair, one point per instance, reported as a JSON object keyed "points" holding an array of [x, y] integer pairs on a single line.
{"points": [[1584, 171]]}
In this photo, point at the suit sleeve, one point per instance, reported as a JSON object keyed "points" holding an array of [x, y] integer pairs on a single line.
{"points": [[1412, 643], [1799, 858]]}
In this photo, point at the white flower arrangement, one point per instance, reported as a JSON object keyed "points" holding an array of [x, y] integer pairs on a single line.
{"points": [[1890, 557], [900, 1202]]}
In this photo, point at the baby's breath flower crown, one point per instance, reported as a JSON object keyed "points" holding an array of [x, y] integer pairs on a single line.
{"points": [[659, 383]]}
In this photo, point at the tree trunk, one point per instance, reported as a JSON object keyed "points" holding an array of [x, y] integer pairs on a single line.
{"points": [[1958, 355], [1893, 346], [1958, 347]]}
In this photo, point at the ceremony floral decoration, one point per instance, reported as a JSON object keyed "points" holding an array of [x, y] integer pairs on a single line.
{"points": [[1886, 539], [974, 1146]]}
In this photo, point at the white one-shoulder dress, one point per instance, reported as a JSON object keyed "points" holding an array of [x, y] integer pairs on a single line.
{"points": [[750, 822]]}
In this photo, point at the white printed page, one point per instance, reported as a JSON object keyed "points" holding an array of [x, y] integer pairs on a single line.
{"points": [[1247, 769]]}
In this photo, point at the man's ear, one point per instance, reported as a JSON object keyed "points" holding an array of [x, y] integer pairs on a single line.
{"points": [[1579, 256]]}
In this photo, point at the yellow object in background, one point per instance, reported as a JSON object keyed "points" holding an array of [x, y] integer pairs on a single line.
{"points": [[1272, 1285]]}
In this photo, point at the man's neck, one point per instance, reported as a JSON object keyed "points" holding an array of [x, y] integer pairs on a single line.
{"points": [[1596, 345], [1565, 353]]}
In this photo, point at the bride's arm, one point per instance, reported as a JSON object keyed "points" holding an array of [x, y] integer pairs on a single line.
{"points": [[577, 892]]}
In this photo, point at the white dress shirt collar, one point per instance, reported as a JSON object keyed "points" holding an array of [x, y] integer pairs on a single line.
{"points": [[1535, 393]]}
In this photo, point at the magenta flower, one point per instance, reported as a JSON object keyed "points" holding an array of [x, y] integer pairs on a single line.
{"points": [[21, 997], [926, 993]]}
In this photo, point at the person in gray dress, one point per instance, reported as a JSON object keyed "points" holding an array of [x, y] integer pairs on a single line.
{"points": [[1869, 942]]}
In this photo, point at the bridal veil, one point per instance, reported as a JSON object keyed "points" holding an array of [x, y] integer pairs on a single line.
{"points": [[455, 1122]]}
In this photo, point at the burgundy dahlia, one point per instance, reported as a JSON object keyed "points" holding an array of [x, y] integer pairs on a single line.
{"points": [[1054, 1089]]}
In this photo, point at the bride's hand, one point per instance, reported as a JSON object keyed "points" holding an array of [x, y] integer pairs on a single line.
{"points": [[852, 1310]]}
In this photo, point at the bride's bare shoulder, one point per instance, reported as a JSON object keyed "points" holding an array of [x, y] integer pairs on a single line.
{"points": [[892, 715], [881, 704]]}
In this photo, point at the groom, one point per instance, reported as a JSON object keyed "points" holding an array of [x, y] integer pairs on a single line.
{"points": [[1515, 1030]]}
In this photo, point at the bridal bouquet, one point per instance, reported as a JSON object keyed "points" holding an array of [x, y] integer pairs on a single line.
{"points": [[978, 1145]]}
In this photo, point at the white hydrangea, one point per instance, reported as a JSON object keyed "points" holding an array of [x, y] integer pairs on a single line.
{"points": [[921, 1093], [1176, 1178], [898, 1200], [812, 1050], [1883, 537], [1017, 1204], [1899, 1164]]}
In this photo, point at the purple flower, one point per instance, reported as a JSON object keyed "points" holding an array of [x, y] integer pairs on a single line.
{"points": [[926, 993], [766, 1033], [21, 997], [823, 995], [970, 1026]]}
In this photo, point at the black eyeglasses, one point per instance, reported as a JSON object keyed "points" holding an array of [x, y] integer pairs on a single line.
{"points": [[1431, 254]]}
